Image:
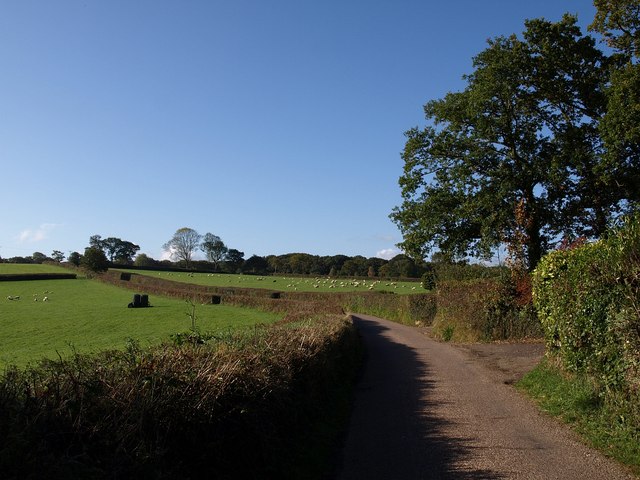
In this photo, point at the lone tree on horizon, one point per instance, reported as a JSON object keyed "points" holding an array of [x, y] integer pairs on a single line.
{"points": [[183, 243], [214, 248]]}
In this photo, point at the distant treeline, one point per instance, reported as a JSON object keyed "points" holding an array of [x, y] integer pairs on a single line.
{"points": [[400, 266]]}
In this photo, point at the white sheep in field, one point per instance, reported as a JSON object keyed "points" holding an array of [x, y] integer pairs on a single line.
{"points": [[13, 297], [45, 299]]}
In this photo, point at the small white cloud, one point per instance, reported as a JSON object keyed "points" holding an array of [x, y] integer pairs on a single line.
{"points": [[167, 254], [38, 234], [388, 253]]}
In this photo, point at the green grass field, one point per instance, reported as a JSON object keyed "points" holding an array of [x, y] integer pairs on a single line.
{"points": [[90, 316], [8, 268], [288, 284]]}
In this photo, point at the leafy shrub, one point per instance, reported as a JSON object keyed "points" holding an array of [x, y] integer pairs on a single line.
{"points": [[485, 310], [507, 310], [588, 300], [458, 304], [429, 280]]}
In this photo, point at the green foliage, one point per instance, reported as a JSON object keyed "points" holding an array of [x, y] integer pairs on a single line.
{"points": [[522, 136], [74, 258], [429, 280], [183, 244], [613, 429], [447, 332], [93, 316], [484, 310], [94, 260], [507, 310], [214, 248], [115, 249], [57, 256], [419, 309], [619, 22], [588, 300]]}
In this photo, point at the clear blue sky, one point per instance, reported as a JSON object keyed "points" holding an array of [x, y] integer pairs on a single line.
{"points": [[276, 125]]}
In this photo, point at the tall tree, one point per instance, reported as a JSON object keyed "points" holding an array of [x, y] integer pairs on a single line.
{"points": [[619, 22], [94, 260], [233, 260], [57, 256], [183, 244], [115, 249], [515, 156], [256, 265], [118, 250], [74, 258], [214, 248]]}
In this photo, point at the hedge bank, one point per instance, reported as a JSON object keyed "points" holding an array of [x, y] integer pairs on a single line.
{"points": [[588, 300], [246, 406]]}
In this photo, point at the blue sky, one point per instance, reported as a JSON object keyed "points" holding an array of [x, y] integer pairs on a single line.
{"points": [[276, 125]]}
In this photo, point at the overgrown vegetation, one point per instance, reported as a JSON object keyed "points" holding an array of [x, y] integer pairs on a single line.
{"points": [[243, 406], [485, 310], [588, 299]]}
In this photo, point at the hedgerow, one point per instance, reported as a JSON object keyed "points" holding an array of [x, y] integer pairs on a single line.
{"points": [[486, 310], [235, 407], [588, 300]]}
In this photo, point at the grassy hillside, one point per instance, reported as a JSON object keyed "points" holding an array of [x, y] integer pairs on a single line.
{"points": [[289, 284]]}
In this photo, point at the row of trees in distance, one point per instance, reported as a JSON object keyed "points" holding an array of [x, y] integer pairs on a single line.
{"points": [[185, 243]]}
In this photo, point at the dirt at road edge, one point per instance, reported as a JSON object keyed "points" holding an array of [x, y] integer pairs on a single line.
{"points": [[507, 361]]}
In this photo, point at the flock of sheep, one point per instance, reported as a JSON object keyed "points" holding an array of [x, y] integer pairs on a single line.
{"points": [[35, 296]]}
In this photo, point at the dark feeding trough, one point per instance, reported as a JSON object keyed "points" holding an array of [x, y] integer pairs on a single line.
{"points": [[139, 301]]}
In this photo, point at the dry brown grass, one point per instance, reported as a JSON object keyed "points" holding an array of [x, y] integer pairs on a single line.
{"points": [[234, 408]]}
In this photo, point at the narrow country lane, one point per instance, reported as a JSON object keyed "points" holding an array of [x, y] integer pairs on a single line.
{"points": [[426, 410]]}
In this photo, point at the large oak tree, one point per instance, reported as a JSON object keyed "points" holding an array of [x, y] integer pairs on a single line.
{"points": [[516, 156]]}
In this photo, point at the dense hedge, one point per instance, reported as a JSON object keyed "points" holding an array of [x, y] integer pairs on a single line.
{"points": [[238, 408], [485, 309], [14, 277], [588, 299]]}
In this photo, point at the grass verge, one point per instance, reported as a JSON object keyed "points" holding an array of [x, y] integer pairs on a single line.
{"points": [[576, 401]]}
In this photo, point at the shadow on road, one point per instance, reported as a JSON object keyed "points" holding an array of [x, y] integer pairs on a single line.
{"points": [[394, 432]]}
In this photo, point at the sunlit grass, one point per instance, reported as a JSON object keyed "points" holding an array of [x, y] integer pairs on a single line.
{"points": [[288, 283], [576, 402], [89, 316], [15, 268]]}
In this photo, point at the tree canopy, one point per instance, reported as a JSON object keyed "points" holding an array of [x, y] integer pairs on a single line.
{"points": [[214, 248], [517, 156], [115, 249], [183, 244]]}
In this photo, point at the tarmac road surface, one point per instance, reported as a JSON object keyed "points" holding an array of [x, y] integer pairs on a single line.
{"points": [[426, 410]]}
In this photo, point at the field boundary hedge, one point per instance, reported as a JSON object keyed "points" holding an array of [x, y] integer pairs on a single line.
{"points": [[588, 299], [17, 277], [243, 406], [484, 310]]}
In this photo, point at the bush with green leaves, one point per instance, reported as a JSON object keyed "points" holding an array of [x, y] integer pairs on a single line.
{"points": [[588, 300]]}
